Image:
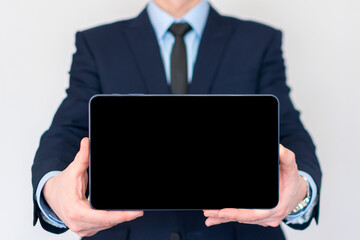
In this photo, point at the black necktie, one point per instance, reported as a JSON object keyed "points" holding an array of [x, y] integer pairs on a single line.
{"points": [[178, 59]]}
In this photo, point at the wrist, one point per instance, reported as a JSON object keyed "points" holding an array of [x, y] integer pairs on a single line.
{"points": [[304, 195], [46, 212], [47, 190], [304, 187]]}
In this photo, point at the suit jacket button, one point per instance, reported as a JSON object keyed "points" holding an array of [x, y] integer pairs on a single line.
{"points": [[175, 236]]}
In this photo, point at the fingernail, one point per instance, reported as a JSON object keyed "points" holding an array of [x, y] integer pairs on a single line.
{"points": [[208, 222], [210, 213]]}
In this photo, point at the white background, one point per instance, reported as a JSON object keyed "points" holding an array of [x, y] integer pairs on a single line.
{"points": [[322, 52]]}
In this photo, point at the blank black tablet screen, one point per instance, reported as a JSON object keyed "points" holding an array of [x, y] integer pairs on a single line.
{"points": [[155, 152]]}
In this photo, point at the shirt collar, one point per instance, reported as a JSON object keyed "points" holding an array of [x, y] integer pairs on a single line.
{"points": [[161, 20]]}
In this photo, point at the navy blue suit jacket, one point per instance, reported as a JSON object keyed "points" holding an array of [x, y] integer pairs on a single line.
{"points": [[235, 56]]}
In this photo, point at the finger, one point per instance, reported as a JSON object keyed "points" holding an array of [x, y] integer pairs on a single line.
{"points": [[211, 213], [214, 221], [240, 215], [81, 161], [227, 213], [116, 217], [102, 218]]}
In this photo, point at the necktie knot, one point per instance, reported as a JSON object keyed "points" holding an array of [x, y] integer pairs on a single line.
{"points": [[179, 29]]}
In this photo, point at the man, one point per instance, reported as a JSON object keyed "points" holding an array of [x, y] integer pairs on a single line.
{"points": [[173, 46]]}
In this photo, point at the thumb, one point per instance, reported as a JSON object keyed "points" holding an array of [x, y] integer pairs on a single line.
{"points": [[81, 161], [287, 158]]}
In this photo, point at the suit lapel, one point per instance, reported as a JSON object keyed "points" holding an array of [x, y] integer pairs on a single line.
{"points": [[212, 47], [144, 45]]}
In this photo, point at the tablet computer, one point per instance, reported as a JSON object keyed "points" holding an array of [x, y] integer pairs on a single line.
{"points": [[183, 152]]}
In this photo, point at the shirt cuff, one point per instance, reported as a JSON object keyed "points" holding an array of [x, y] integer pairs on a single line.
{"points": [[46, 213], [305, 214]]}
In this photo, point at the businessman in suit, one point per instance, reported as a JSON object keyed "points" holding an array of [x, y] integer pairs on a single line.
{"points": [[173, 46]]}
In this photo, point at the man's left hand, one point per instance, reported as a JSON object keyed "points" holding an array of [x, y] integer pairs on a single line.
{"points": [[292, 190]]}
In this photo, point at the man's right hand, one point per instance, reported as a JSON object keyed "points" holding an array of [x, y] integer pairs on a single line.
{"points": [[65, 194]]}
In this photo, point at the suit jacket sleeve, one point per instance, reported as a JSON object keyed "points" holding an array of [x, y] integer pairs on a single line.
{"points": [[292, 133], [60, 143]]}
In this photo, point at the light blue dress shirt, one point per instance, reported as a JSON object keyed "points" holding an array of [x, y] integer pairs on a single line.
{"points": [[161, 21]]}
